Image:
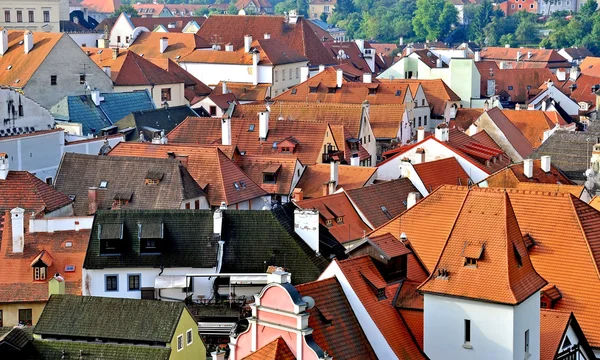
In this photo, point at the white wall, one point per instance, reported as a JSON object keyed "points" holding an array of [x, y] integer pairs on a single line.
{"points": [[122, 28], [212, 74], [93, 146], [527, 317], [60, 224], [86, 39]]}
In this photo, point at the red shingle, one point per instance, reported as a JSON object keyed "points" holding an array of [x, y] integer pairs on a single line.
{"points": [[275, 350], [441, 172], [24, 190]]}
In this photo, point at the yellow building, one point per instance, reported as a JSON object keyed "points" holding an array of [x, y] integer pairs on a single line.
{"points": [[34, 15], [318, 7]]}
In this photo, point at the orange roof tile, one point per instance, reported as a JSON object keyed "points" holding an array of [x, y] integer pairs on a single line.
{"points": [[543, 58], [485, 139], [16, 282], [198, 87], [583, 92], [102, 6], [24, 190], [441, 172], [590, 66], [349, 177], [208, 165], [244, 91], [464, 118], [275, 350], [523, 144], [575, 190], [390, 246], [179, 44], [513, 174], [517, 83], [414, 321], [531, 124], [595, 202], [256, 166], [553, 325]]}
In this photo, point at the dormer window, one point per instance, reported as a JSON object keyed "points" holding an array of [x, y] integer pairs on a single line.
{"points": [[372, 91], [472, 252], [40, 265], [470, 262], [518, 257], [111, 236], [150, 236], [339, 220], [153, 177], [331, 90], [329, 222], [270, 173], [313, 89], [39, 272]]}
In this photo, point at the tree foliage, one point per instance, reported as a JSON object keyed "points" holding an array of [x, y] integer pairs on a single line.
{"points": [[433, 19], [128, 9]]}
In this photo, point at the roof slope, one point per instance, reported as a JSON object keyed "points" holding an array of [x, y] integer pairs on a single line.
{"points": [[77, 316], [187, 239], [553, 325], [522, 144], [24, 190], [70, 350], [179, 44], [125, 176], [349, 177], [256, 166], [441, 172], [102, 6], [498, 246], [335, 327], [275, 350], [151, 121], [513, 174]]}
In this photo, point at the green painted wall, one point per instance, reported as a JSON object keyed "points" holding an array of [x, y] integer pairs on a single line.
{"points": [[465, 80], [196, 350]]}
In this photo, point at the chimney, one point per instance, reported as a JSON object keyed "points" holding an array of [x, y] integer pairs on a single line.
{"points": [[298, 194], [218, 355], [477, 56], [95, 197], [507, 46], [27, 41], [4, 41], [326, 188], [355, 160], [247, 43], [333, 175], [419, 157], [339, 77], [224, 87], [401, 41], [367, 78], [472, 130], [439, 63], [561, 74], [409, 50], [441, 132], [18, 231], [56, 285], [96, 98], [164, 44], [412, 199], [107, 71], [267, 36], [115, 53], [263, 125], [321, 68], [226, 131], [518, 55], [420, 134], [255, 60], [304, 71], [218, 222], [546, 163], [528, 168], [529, 54], [229, 47], [361, 45], [306, 225], [574, 73], [3, 166]]}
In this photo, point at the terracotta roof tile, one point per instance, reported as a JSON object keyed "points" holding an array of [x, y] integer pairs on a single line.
{"points": [[244, 91], [24, 190], [518, 83], [102, 6], [198, 87], [179, 44], [390, 246], [595, 202], [441, 172], [531, 124], [553, 325], [485, 139], [464, 118], [541, 58], [275, 350], [414, 321], [349, 177], [590, 66], [583, 92], [523, 144], [353, 56], [256, 166], [513, 174], [180, 22], [408, 296], [208, 165]]}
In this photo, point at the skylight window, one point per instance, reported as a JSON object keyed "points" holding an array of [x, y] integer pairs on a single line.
{"points": [[17, 81], [21, 42], [69, 268], [294, 91], [251, 128], [9, 67], [236, 185], [100, 52], [398, 92], [103, 184], [386, 212], [243, 184]]}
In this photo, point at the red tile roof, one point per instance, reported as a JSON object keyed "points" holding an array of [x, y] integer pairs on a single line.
{"points": [[16, 282], [275, 350], [522, 144], [335, 327], [441, 172], [255, 167], [590, 66], [484, 138], [24, 190], [541, 58], [389, 245], [414, 322], [349, 177], [198, 87], [583, 92], [514, 173], [389, 322], [179, 44], [180, 22], [353, 56], [244, 91], [553, 325], [464, 118], [102, 6], [208, 165]]}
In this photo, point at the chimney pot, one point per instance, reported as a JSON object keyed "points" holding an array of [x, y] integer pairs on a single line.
{"points": [[96, 98], [18, 229], [528, 168], [218, 222], [229, 47], [115, 53], [247, 43], [333, 176], [218, 355], [546, 163], [321, 68], [477, 56], [278, 277], [420, 134], [355, 160], [439, 63], [304, 72]]}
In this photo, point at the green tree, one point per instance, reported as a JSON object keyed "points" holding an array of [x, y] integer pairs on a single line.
{"points": [[588, 8], [285, 6], [302, 7], [232, 9], [128, 9], [482, 17], [433, 19], [324, 17], [508, 39], [526, 33]]}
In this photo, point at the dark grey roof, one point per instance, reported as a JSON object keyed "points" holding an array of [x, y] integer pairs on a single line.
{"points": [[15, 337], [125, 177], [147, 121], [570, 151], [72, 350], [112, 319], [185, 239]]}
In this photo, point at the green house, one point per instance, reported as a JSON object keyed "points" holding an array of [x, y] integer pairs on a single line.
{"points": [[89, 327]]}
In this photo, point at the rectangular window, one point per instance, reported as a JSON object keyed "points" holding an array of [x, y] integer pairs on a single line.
{"points": [[188, 206], [467, 331], [25, 317], [81, 79], [46, 16], [19, 16], [48, 179], [526, 341], [6, 15], [419, 121], [31, 18], [275, 72], [165, 94], [326, 9], [290, 73], [425, 120], [297, 73], [423, 102], [179, 342], [112, 282], [189, 336], [133, 282], [52, 79], [118, 39], [1, 319], [39, 273], [213, 110]]}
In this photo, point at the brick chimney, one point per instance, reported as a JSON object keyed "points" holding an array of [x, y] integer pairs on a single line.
{"points": [[115, 53], [95, 198], [298, 194], [17, 224]]}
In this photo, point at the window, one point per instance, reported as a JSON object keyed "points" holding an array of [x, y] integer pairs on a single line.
{"points": [[21, 112], [197, 204], [39, 272], [328, 222], [339, 220], [49, 180], [512, 6], [1, 319], [81, 79], [188, 206], [313, 89], [326, 9], [189, 337], [510, 87], [179, 342], [294, 91], [275, 72], [103, 184], [46, 16], [331, 90], [568, 3], [7, 15], [472, 262], [165, 94], [133, 282], [69, 268], [297, 73], [31, 18], [419, 121], [118, 39], [531, 6], [269, 178], [425, 120], [25, 317], [520, 6], [112, 282], [527, 341], [52, 79], [423, 102], [467, 331], [290, 74], [19, 16]]}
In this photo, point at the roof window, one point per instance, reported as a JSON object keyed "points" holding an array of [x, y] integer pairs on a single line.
{"points": [[100, 52], [153, 177], [251, 128], [236, 185], [110, 238], [103, 184], [312, 89], [9, 67], [386, 212], [518, 257], [398, 92], [472, 253], [69, 268], [294, 91]]}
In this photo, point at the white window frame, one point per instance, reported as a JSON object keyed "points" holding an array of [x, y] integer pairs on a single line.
{"points": [[191, 337], [179, 337]]}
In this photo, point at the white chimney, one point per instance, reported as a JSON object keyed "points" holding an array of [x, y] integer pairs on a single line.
{"points": [[419, 157], [255, 60], [574, 73], [306, 225], [107, 70], [226, 131], [401, 40], [528, 168], [4, 42], [229, 47], [518, 55], [3, 166], [27, 41], [420, 134], [224, 87], [218, 355], [561, 74], [218, 222], [18, 230], [333, 176], [339, 77], [439, 63], [367, 78], [472, 130], [361, 45], [355, 160], [409, 50], [477, 56], [247, 43], [529, 54], [507, 46], [263, 124], [96, 98], [321, 68], [279, 277], [164, 44], [441, 132], [267, 36], [304, 71], [412, 199], [546, 163]]}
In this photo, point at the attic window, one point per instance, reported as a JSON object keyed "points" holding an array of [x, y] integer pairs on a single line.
{"points": [[372, 91], [386, 212], [69, 268], [251, 128], [103, 184], [339, 220], [472, 252], [100, 52], [150, 234], [72, 197], [510, 87], [470, 262], [153, 177], [68, 244], [110, 237], [236, 185], [518, 257], [294, 91], [313, 89], [331, 90], [398, 92], [329, 223]]}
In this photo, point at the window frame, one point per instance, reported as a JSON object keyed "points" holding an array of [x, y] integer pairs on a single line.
{"points": [[7, 16], [467, 331], [179, 342], [527, 342], [189, 337], [19, 16], [46, 19], [139, 281], [31, 16], [210, 110], [30, 317], [40, 273], [53, 80], [165, 94], [116, 276]]}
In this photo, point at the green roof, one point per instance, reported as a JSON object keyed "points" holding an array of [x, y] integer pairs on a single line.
{"points": [[71, 350], [109, 318]]}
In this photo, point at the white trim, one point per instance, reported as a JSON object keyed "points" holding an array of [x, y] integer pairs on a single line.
{"points": [[179, 337], [191, 337]]}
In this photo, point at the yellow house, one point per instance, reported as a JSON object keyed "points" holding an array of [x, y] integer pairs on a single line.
{"points": [[318, 7]]}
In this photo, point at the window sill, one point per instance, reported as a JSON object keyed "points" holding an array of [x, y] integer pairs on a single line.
{"points": [[467, 346]]}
